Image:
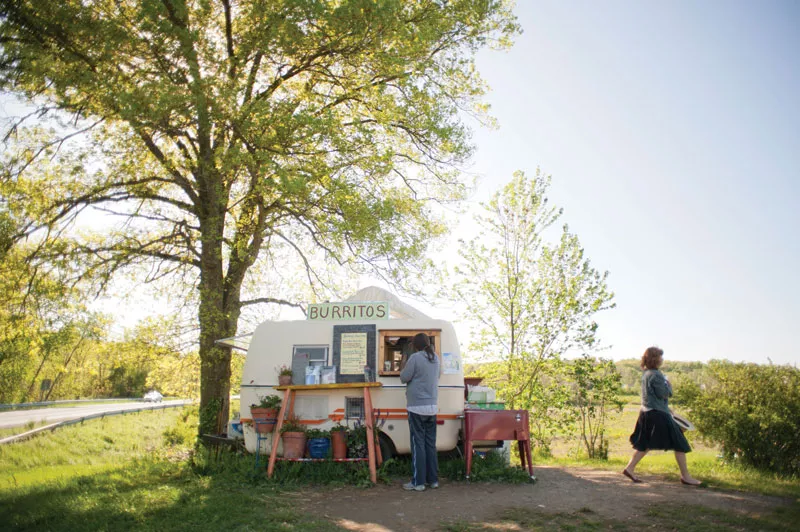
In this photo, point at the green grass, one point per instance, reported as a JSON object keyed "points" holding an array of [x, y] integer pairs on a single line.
{"points": [[704, 462], [662, 517], [136, 472], [11, 431], [140, 472]]}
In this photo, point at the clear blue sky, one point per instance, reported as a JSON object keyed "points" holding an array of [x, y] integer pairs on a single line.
{"points": [[672, 131]]}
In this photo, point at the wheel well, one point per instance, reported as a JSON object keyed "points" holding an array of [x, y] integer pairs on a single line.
{"points": [[386, 443]]}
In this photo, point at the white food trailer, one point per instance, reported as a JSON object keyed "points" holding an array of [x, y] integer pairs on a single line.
{"points": [[334, 344]]}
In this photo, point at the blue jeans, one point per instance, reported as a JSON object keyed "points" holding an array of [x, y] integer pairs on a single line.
{"points": [[423, 449]]}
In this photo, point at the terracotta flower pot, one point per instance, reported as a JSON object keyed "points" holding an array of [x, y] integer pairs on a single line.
{"points": [[264, 419], [294, 444], [339, 442], [284, 380]]}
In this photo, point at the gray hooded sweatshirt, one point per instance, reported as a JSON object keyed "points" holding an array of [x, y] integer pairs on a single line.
{"points": [[422, 377]]}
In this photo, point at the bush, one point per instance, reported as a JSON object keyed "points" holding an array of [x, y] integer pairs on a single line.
{"points": [[752, 412]]}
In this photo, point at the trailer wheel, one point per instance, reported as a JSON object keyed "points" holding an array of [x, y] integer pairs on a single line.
{"points": [[388, 450]]}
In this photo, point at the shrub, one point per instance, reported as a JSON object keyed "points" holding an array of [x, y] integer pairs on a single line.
{"points": [[751, 411], [596, 395]]}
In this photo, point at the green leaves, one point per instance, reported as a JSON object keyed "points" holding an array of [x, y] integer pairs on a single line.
{"points": [[751, 410], [532, 300]]}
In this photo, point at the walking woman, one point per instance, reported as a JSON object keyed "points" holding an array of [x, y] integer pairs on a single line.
{"points": [[421, 375], [655, 428]]}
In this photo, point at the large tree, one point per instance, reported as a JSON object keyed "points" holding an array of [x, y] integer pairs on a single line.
{"points": [[223, 130], [530, 291]]}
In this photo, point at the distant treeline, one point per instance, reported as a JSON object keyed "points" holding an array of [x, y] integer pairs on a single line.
{"points": [[631, 373], [678, 372], [71, 364]]}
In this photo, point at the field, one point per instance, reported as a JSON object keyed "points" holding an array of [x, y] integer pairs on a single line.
{"points": [[139, 472]]}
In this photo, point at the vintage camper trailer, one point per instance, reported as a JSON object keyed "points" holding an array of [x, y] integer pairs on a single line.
{"points": [[336, 342]]}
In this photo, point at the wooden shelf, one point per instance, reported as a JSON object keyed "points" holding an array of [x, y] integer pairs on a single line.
{"points": [[338, 385]]}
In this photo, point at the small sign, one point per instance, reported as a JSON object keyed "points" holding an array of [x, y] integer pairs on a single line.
{"points": [[451, 364], [347, 311], [353, 353]]}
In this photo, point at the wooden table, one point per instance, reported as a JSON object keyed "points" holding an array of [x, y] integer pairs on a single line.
{"points": [[287, 408]]}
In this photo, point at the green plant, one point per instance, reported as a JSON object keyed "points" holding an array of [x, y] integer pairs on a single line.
{"points": [[268, 401], [357, 442], [596, 394], [285, 370], [751, 411], [317, 433], [292, 424], [339, 428]]}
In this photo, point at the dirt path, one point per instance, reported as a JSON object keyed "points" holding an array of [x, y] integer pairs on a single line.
{"points": [[558, 490]]}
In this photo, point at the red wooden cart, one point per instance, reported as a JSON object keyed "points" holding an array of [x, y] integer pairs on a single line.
{"points": [[498, 425]]}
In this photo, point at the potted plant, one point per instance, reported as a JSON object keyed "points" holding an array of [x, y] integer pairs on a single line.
{"points": [[357, 442], [265, 413], [284, 375], [339, 442], [294, 438], [319, 443]]}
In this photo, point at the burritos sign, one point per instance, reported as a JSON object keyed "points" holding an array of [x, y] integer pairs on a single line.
{"points": [[361, 310]]}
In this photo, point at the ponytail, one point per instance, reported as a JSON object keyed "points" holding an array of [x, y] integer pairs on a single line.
{"points": [[422, 343]]}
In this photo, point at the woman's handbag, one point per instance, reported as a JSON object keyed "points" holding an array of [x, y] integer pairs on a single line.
{"points": [[683, 423]]}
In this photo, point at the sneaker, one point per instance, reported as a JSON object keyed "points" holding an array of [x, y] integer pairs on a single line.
{"points": [[411, 487], [434, 485]]}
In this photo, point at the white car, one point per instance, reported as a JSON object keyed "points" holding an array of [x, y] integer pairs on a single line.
{"points": [[152, 397]]}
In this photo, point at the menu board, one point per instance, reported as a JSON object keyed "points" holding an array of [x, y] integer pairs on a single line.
{"points": [[354, 353], [354, 346]]}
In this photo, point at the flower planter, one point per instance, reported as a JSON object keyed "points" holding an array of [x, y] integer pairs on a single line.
{"points": [[264, 419], [284, 380], [319, 447], [339, 441], [294, 444]]}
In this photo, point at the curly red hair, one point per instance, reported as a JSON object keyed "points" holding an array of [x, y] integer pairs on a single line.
{"points": [[651, 359]]}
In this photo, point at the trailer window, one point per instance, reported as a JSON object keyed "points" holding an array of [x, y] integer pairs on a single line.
{"points": [[307, 355], [394, 348]]}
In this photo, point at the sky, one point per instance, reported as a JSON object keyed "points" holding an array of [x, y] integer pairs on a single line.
{"points": [[672, 134]]}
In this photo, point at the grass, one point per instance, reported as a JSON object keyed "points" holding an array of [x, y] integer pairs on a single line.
{"points": [[140, 472], [704, 462], [664, 517], [135, 472], [11, 431]]}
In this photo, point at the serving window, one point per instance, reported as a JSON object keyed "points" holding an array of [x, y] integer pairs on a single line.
{"points": [[394, 348]]}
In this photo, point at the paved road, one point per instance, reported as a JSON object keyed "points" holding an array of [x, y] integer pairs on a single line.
{"points": [[17, 418]]}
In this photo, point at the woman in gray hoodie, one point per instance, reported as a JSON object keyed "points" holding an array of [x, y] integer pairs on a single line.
{"points": [[421, 376], [655, 428]]}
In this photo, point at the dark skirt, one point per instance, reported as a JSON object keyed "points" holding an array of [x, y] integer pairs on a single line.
{"points": [[657, 430]]}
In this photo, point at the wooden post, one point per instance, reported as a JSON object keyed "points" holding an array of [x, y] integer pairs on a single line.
{"points": [[288, 395], [373, 473]]}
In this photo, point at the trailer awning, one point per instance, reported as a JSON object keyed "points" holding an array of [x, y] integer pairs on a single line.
{"points": [[241, 342]]}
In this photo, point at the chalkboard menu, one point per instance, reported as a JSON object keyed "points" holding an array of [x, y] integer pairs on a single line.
{"points": [[354, 346]]}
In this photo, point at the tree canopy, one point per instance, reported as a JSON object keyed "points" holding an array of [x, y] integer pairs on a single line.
{"points": [[217, 134], [532, 300]]}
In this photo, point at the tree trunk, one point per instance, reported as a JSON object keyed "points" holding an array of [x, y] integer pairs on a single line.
{"points": [[214, 319]]}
